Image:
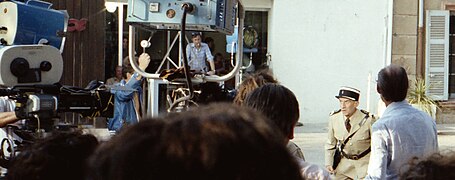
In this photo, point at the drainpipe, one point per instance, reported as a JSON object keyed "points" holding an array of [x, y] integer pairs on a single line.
{"points": [[388, 37], [420, 42]]}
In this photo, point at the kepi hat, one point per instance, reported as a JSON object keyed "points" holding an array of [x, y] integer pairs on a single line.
{"points": [[349, 93]]}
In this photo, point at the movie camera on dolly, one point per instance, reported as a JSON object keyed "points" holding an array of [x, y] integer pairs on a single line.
{"points": [[31, 66]]}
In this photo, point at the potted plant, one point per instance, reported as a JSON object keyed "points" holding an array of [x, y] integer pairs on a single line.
{"points": [[418, 98]]}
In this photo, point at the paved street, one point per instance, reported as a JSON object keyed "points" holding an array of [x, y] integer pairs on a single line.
{"points": [[312, 136]]}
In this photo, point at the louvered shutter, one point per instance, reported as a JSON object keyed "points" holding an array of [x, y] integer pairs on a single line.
{"points": [[437, 54]]}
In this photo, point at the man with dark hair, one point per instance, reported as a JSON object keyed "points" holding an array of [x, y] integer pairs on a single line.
{"points": [[198, 53], [349, 132], [204, 143], [402, 132], [254, 81], [392, 84], [280, 105], [117, 78], [127, 102]]}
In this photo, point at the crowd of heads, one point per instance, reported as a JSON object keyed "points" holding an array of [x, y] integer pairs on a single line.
{"points": [[437, 166], [240, 140], [57, 156], [218, 141], [214, 141]]}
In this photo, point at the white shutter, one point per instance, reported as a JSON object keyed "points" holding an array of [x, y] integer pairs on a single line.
{"points": [[437, 54]]}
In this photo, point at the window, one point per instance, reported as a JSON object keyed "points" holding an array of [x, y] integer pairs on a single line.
{"points": [[437, 55], [257, 21], [452, 55]]}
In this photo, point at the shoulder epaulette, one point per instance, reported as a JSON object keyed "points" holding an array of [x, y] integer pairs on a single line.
{"points": [[366, 113], [334, 112]]}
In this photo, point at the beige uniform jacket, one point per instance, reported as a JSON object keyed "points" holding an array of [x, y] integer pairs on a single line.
{"points": [[358, 143]]}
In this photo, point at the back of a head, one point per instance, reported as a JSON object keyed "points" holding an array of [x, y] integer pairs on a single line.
{"points": [[60, 156], [252, 82], [127, 67], [217, 141], [276, 102], [393, 83], [129, 154], [223, 141], [438, 166]]}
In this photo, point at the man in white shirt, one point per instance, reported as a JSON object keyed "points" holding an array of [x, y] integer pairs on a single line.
{"points": [[402, 132]]}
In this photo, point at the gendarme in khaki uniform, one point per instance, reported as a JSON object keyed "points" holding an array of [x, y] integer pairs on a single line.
{"points": [[351, 165]]}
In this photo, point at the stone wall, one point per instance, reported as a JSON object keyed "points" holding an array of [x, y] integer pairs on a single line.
{"points": [[404, 40]]}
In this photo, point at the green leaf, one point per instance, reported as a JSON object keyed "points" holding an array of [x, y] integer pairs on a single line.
{"points": [[417, 95]]}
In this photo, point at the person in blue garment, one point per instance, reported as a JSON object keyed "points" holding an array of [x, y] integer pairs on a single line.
{"points": [[198, 53], [128, 100], [402, 132]]}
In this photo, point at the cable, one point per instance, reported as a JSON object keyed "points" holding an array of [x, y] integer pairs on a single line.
{"points": [[187, 7], [8, 142]]}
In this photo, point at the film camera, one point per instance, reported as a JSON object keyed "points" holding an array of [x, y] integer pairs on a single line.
{"points": [[30, 67], [29, 73]]}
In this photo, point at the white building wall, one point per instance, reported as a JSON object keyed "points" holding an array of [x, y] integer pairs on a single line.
{"points": [[257, 4], [319, 45]]}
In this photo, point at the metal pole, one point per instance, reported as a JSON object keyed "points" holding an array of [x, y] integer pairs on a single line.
{"points": [[420, 30], [120, 34], [180, 48], [168, 43]]}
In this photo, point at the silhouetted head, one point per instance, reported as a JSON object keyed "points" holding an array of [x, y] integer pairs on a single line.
{"points": [[60, 156], [218, 141], [438, 166], [251, 83], [279, 104], [392, 83]]}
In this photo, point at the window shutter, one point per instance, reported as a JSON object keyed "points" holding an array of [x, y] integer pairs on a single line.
{"points": [[437, 54]]}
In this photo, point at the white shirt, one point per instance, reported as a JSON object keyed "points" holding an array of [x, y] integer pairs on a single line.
{"points": [[401, 133], [6, 104]]}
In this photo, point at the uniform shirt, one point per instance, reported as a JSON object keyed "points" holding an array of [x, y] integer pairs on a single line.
{"points": [[361, 122], [400, 134], [197, 57]]}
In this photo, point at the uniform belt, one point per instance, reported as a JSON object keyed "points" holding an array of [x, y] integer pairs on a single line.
{"points": [[356, 157]]}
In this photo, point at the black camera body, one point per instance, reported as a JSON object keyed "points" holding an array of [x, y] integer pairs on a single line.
{"points": [[47, 101], [40, 106]]}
